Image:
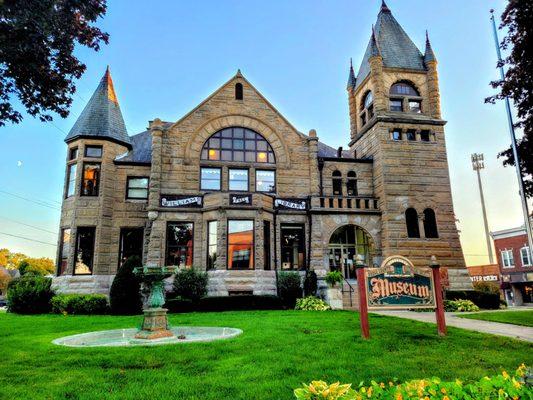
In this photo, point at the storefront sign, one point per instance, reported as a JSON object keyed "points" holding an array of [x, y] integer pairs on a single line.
{"points": [[397, 284], [290, 204], [484, 278], [174, 201], [240, 199]]}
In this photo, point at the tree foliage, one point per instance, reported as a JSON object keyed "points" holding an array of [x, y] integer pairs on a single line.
{"points": [[25, 264], [37, 64], [125, 294], [517, 85]]}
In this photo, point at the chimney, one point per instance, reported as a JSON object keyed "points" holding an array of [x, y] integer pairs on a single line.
{"points": [[339, 152]]}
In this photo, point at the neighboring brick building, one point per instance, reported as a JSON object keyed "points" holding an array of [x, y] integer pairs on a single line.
{"points": [[234, 188], [515, 263], [484, 273]]}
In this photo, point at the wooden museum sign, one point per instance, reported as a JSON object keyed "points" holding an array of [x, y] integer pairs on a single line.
{"points": [[398, 285]]}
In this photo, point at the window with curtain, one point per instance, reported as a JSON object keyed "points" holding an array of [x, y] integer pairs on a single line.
{"points": [[91, 179], [265, 181], [238, 179], [137, 188], [240, 244], [210, 178]]}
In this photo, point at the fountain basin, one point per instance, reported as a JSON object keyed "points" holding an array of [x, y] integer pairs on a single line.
{"points": [[126, 337]]}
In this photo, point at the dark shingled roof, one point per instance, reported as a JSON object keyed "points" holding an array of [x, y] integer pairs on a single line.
{"points": [[101, 117], [429, 55], [395, 47], [141, 151], [351, 77], [327, 151]]}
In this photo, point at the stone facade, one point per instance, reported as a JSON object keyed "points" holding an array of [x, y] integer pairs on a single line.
{"points": [[390, 176]]}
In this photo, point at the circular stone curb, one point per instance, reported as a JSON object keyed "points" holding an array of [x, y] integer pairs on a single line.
{"points": [[125, 337]]}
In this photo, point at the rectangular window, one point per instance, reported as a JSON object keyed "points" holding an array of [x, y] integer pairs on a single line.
{"points": [[265, 181], [64, 251], [90, 180], [212, 238], [425, 136], [525, 255], [411, 135], [397, 134], [73, 153], [179, 244], [210, 179], [84, 255], [93, 151], [363, 118], [137, 188], [507, 258], [71, 179], [238, 179], [131, 244], [415, 106], [396, 105], [240, 244], [292, 247], [266, 242]]}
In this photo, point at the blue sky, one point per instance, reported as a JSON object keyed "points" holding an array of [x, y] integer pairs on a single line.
{"points": [[167, 57]]}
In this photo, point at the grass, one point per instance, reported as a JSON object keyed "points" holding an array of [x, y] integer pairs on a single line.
{"points": [[276, 353], [524, 318]]}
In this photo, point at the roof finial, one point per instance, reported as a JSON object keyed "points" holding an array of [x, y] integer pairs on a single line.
{"points": [[351, 77], [384, 6], [239, 74], [429, 55]]}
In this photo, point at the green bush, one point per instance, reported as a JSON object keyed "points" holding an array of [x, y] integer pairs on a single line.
{"points": [[333, 277], [312, 303], [503, 386], [125, 296], [29, 294], [190, 284], [88, 304], [225, 303], [482, 299], [289, 288], [310, 283], [460, 306]]}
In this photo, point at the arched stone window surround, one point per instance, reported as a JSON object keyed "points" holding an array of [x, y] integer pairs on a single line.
{"points": [[336, 182], [351, 183], [405, 98], [366, 107], [196, 141]]}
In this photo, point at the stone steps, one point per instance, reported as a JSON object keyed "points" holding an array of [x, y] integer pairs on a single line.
{"points": [[346, 303], [258, 282]]}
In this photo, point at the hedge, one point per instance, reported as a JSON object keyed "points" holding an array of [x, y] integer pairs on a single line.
{"points": [[488, 301], [88, 304], [225, 303], [29, 294]]}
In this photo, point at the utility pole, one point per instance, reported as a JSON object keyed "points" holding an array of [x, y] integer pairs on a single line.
{"points": [[527, 220], [479, 164]]}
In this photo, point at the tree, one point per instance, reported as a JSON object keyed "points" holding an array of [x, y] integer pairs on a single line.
{"points": [[36, 266], [517, 85], [125, 296], [37, 64]]}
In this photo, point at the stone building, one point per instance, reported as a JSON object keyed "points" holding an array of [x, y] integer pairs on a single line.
{"points": [[234, 188]]}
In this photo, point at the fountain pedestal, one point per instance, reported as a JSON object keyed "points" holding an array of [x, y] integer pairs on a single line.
{"points": [[155, 324]]}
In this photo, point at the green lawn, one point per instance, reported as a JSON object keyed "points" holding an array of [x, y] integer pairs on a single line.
{"points": [[507, 317], [276, 353]]}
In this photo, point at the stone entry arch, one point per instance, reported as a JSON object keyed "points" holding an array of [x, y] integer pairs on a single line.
{"points": [[345, 243]]}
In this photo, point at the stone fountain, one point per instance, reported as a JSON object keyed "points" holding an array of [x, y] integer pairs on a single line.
{"points": [[155, 322]]}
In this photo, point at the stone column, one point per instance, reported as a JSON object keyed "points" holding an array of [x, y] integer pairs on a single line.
{"points": [[376, 79], [433, 89]]}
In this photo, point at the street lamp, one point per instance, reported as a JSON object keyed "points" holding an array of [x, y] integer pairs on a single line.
{"points": [[478, 164]]}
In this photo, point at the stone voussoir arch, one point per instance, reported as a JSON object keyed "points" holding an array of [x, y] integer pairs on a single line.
{"points": [[204, 132]]}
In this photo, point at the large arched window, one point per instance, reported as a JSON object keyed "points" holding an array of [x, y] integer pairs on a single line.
{"points": [[430, 224], [367, 108], [239, 145], [336, 179], [351, 184], [411, 220], [405, 97]]}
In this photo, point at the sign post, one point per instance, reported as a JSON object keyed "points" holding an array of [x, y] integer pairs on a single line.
{"points": [[439, 310], [363, 305]]}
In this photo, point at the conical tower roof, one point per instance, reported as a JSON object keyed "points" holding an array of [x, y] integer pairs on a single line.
{"points": [[393, 44], [429, 55], [351, 77], [101, 118]]}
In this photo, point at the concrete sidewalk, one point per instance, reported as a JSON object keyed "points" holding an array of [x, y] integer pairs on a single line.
{"points": [[494, 328]]}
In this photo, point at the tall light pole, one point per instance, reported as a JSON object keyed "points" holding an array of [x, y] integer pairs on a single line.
{"points": [[478, 164], [527, 220]]}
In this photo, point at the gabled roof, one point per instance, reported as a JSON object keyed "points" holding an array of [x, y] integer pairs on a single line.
{"points": [[389, 40], [101, 118]]}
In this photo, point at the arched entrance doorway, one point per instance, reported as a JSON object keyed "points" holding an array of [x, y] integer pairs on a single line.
{"points": [[345, 243]]}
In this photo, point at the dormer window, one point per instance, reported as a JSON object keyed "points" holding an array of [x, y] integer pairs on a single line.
{"points": [[404, 97], [367, 108]]}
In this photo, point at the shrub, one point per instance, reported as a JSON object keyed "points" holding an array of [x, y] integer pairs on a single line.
{"points": [[489, 301], [124, 296], [225, 303], [333, 277], [89, 304], [460, 306], [310, 283], [190, 284], [289, 288], [487, 287], [312, 303], [503, 386], [29, 294]]}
